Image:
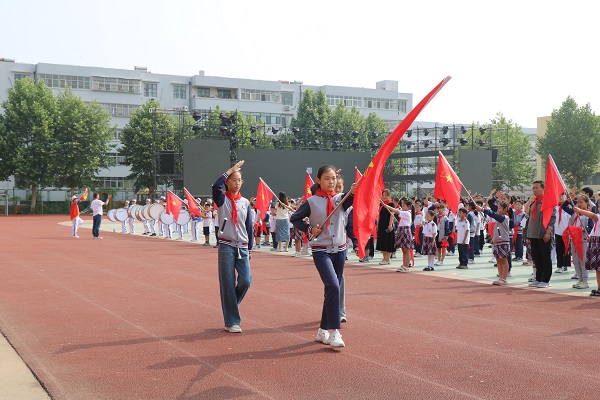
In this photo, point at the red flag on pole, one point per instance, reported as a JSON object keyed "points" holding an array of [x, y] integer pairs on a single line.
{"points": [[174, 204], [447, 184], [368, 191], [192, 204], [555, 186], [357, 174], [308, 183], [264, 194]]}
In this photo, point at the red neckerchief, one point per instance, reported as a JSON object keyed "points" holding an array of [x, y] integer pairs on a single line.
{"points": [[329, 198], [234, 216], [559, 213], [541, 198]]}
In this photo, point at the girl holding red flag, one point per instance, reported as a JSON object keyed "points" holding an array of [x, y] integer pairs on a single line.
{"points": [[579, 239], [328, 247], [592, 255], [234, 222]]}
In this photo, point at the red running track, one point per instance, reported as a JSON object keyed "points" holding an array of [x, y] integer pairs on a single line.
{"points": [[132, 317]]}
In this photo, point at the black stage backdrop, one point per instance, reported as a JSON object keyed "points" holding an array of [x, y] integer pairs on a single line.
{"points": [[283, 170]]}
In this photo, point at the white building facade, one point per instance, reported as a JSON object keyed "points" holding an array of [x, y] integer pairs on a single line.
{"points": [[122, 91]]}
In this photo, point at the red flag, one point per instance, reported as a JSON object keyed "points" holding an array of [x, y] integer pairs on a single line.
{"points": [[308, 183], [174, 205], [192, 204], [447, 184], [574, 233], [357, 174], [264, 194], [554, 188], [368, 191]]}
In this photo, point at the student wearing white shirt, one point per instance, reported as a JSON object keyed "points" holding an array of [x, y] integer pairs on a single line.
{"points": [[96, 207], [562, 221], [429, 233], [463, 230]]}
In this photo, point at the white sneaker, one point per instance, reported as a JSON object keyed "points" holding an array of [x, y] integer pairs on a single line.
{"points": [[438, 263], [384, 262], [296, 254], [322, 336], [492, 260], [581, 285], [335, 339], [76, 237], [534, 283], [234, 329], [500, 282], [402, 268], [543, 285]]}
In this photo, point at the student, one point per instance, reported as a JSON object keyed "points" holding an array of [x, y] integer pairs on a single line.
{"points": [[207, 222], [443, 231], [257, 223], [417, 223], [463, 230], [283, 222], [429, 234], [474, 220], [404, 239], [575, 228], [500, 240], [592, 259], [273, 227], [328, 247], [76, 220], [235, 244], [520, 217], [96, 207], [563, 256]]}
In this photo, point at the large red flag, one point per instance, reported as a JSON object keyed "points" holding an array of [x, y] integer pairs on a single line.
{"points": [[192, 204], [555, 186], [308, 183], [368, 191], [174, 204], [357, 174], [447, 184], [264, 194]]}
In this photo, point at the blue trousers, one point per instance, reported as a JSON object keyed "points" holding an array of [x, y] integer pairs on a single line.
{"points": [[232, 260], [472, 248], [331, 269], [463, 257], [96, 221]]}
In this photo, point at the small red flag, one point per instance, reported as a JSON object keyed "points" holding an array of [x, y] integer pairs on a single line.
{"points": [[574, 233], [308, 183], [368, 191], [357, 174], [192, 204], [555, 186], [447, 184], [264, 194], [174, 204]]}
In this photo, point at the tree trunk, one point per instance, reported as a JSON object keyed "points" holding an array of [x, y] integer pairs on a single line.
{"points": [[33, 198], [72, 192]]}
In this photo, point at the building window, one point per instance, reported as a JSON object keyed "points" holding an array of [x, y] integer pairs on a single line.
{"points": [[202, 92], [402, 107], [60, 81], [261, 95], [120, 110], [115, 183], [21, 76], [287, 99], [180, 91], [116, 85], [225, 94], [150, 89], [117, 134], [116, 158]]}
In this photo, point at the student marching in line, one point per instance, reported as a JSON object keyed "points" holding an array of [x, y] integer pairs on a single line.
{"points": [[328, 247], [235, 244], [429, 235]]}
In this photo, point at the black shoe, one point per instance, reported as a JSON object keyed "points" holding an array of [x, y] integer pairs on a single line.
{"points": [[428, 269], [154, 234]]}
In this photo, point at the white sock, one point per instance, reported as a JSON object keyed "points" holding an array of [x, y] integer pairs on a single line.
{"points": [[430, 260]]}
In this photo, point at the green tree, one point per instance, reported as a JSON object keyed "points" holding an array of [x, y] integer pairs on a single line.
{"points": [[514, 167], [29, 120], [322, 111], [573, 139], [83, 132], [147, 131], [306, 114], [346, 120]]}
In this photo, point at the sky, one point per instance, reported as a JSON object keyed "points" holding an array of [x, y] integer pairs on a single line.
{"points": [[518, 58]]}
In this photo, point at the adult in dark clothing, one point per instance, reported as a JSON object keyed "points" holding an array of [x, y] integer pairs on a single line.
{"points": [[385, 233]]}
